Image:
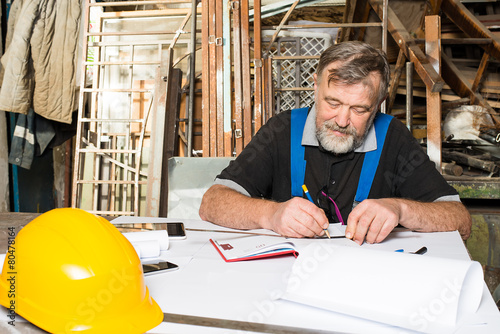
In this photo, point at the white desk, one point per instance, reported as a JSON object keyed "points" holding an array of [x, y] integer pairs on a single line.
{"points": [[206, 286]]}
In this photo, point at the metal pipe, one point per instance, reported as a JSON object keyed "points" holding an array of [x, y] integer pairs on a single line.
{"points": [[384, 25], [409, 96], [384, 105], [192, 78]]}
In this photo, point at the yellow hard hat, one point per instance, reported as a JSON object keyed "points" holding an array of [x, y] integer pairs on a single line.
{"points": [[72, 271]]}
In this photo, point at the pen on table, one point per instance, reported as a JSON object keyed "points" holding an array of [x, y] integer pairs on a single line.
{"points": [[421, 251], [310, 199]]}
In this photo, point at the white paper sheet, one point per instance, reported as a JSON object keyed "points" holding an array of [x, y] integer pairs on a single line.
{"points": [[417, 292]]}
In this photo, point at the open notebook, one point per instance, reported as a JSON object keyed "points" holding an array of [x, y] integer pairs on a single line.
{"points": [[253, 247]]}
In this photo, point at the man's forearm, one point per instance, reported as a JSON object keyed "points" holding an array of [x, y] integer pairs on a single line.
{"points": [[436, 217], [226, 207]]}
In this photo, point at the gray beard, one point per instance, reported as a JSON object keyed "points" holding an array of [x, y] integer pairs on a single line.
{"points": [[340, 145]]}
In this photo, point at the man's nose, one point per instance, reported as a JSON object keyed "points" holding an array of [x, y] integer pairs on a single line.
{"points": [[343, 117]]}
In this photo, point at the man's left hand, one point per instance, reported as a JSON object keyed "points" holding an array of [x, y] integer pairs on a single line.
{"points": [[372, 220]]}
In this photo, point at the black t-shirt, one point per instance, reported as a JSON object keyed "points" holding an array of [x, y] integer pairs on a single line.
{"points": [[404, 171]]}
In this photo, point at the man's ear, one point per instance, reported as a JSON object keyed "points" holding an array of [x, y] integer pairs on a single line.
{"points": [[315, 76]]}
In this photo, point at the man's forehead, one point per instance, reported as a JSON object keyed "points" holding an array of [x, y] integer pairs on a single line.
{"points": [[372, 79]]}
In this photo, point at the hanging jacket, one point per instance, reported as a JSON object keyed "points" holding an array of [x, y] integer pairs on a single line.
{"points": [[39, 64]]}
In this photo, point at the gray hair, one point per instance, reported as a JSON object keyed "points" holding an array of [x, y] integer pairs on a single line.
{"points": [[356, 61]]}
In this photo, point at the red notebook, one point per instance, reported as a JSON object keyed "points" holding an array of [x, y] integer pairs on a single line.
{"points": [[253, 247]]}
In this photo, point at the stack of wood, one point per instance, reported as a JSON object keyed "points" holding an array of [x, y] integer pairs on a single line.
{"points": [[463, 72]]}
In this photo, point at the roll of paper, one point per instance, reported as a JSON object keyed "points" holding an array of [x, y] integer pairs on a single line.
{"points": [[418, 292], [148, 244], [147, 249]]}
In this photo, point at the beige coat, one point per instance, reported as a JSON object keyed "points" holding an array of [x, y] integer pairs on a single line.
{"points": [[39, 64]]}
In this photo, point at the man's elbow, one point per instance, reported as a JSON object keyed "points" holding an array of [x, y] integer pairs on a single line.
{"points": [[465, 231], [466, 226], [204, 206]]}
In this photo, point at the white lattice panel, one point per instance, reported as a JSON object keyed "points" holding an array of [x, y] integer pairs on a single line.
{"points": [[295, 73]]}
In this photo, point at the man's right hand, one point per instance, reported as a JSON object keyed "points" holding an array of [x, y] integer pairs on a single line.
{"points": [[298, 218], [295, 218]]}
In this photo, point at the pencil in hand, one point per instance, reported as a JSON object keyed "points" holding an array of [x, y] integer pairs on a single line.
{"points": [[311, 200]]}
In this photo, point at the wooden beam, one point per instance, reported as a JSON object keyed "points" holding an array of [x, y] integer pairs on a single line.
{"points": [[433, 51], [461, 86], [480, 71], [469, 24], [350, 7], [364, 19], [396, 76], [282, 23], [411, 50]]}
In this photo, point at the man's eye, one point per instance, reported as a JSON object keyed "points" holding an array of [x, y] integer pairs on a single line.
{"points": [[359, 110], [334, 105]]}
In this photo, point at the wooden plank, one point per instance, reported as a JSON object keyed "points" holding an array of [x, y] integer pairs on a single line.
{"points": [[433, 51], [213, 79], [350, 7], [282, 23], [192, 80], [219, 74], [396, 76], [268, 88], [323, 25], [137, 3], [480, 71], [171, 139], [245, 75], [384, 25], [205, 79], [95, 106], [133, 33], [412, 51], [75, 194], [238, 90], [227, 72], [257, 24], [459, 41], [157, 140], [147, 13]]}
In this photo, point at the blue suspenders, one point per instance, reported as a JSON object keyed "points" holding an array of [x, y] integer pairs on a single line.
{"points": [[297, 161], [370, 163]]}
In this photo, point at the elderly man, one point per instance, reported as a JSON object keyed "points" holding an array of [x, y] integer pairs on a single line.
{"points": [[343, 144]]}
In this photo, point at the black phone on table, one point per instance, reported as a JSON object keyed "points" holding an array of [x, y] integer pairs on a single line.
{"points": [[175, 230], [158, 267]]}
